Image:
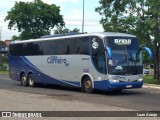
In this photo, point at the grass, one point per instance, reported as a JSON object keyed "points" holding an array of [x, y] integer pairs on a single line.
{"points": [[3, 72], [4, 68], [149, 80]]}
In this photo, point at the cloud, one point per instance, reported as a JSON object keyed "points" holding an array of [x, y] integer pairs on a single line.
{"points": [[76, 11], [2, 22], [74, 20], [74, 1], [71, 11], [65, 1], [59, 0]]}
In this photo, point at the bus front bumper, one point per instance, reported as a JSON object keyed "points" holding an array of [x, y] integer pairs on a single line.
{"points": [[108, 85]]}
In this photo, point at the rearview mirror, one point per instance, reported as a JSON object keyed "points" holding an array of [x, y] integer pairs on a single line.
{"points": [[109, 52], [149, 51]]}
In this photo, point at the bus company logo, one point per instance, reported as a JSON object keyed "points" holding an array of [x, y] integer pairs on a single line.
{"points": [[94, 43], [122, 41], [57, 60]]}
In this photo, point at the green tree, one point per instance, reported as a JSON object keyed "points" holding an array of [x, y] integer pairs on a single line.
{"points": [[127, 16], [75, 30], [34, 19], [138, 17], [61, 30], [14, 37]]}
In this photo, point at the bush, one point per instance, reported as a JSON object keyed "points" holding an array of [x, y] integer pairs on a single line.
{"points": [[152, 66]]}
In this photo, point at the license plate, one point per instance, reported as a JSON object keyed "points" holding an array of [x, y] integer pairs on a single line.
{"points": [[128, 86]]}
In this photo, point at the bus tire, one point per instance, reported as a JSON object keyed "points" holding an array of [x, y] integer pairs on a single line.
{"points": [[31, 80], [23, 80], [87, 85]]}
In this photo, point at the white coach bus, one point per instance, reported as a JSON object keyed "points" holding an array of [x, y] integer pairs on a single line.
{"points": [[103, 61]]}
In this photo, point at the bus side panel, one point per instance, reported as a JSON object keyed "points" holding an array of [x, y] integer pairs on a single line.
{"points": [[15, 65], [50, 80], [22, 64], [66, 69], [19, 64]]}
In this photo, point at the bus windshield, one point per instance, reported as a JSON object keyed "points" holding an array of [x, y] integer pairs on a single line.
{"points": [[126, 56]]}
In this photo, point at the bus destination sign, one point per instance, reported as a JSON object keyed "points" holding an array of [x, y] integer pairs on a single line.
{"points": [[122, 41]]}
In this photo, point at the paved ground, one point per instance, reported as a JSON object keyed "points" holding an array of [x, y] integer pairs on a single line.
{"points": [[17, 98], [17, 101]]}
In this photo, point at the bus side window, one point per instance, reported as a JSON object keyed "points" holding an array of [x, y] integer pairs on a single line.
{"points": [[68, 50], [77, 46]]}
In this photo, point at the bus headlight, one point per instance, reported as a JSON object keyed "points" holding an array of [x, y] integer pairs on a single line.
{"points": [[140, 79], [114, 80]]}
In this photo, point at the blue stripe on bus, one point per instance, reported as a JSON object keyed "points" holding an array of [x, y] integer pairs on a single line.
{"points": [[29, 63]]}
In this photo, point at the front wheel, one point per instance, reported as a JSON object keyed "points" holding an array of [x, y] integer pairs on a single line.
{"points": [[31, 80], [23, 80], [87, 85]]}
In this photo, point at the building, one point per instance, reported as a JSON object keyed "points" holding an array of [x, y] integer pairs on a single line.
{"points": [[4, 46]]}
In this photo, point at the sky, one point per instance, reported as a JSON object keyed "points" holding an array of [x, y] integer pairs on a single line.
{"points": [[72, 11]]}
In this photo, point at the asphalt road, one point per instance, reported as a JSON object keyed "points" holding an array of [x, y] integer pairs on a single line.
{"points": [[146, 99]]}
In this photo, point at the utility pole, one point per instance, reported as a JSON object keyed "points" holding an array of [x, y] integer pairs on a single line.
{"points": [[157, 62], [83, 19]]}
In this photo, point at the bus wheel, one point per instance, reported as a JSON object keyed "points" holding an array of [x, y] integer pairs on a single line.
{"points": [[87, 85], [31, 80], [23, 80]]}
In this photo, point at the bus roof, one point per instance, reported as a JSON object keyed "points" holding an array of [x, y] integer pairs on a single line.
{"points": [[62, 36], [111, 34]]}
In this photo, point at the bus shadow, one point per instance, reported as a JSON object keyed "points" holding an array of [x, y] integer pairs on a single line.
{"points": [[98, 92], [58, 87], [124, 92]]}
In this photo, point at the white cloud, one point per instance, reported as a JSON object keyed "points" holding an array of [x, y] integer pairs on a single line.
{"points": [[72, 16], [24, 0], [59, 0], [3, 24], [5, 32], [74, 1], [76, 11], [48, 1], [74, 20]]}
